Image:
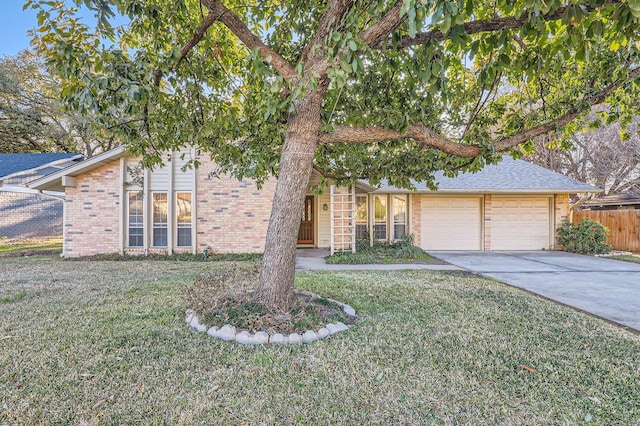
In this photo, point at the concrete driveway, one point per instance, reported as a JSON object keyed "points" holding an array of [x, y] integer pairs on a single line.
{"points": [[604, 287]]}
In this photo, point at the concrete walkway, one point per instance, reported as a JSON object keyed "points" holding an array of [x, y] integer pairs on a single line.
{"points": [[604, 287], [313, 259]]}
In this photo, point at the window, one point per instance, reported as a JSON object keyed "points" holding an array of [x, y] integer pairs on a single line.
{"points": [[380, 217], [136, 219], [159, 219], [399, 206], [362, 218], [183, 216]]}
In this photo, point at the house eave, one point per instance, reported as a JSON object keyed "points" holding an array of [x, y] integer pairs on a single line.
{"points": [[488, 191], [53, 182]]}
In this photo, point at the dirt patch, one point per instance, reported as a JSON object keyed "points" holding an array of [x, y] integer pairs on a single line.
{"points": [[225, 297]]}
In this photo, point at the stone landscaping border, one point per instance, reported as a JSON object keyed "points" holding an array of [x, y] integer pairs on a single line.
{"points": [[228, 332]]}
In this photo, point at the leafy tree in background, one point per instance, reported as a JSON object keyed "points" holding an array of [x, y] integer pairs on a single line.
{"points": [[355, 89], [34, 119]]}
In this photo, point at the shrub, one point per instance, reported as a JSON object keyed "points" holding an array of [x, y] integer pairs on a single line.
{"points": [[587, 237], [402, 250]]}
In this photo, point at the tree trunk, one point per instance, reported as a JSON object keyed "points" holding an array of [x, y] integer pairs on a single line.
{"points": [[296, 163]]}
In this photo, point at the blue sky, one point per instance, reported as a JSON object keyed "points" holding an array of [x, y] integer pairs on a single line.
{"points": [[14, 24]]}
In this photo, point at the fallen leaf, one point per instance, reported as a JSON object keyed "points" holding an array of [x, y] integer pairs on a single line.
{"points": [[98, 404], [102, 401], [526, 367]]}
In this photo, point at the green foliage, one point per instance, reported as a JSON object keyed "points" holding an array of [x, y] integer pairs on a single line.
{"points": [[586, 237], [401, 251], [13, 297], [34, 119], [233, 103]]}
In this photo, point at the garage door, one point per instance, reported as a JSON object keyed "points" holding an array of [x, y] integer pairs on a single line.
{"points": [[520, 223], [451, 223]]}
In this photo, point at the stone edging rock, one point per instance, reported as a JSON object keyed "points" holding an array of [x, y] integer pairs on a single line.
{"points": [[228, 332]]}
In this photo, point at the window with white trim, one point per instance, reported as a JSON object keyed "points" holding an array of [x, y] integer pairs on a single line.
{"points": [[183, 219], [136, 219], [380, 217], [362, 218], [160, 211], [399, 215]]}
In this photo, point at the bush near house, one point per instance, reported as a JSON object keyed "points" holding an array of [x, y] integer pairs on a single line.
{"points": [[586, 237], [401, 251]]}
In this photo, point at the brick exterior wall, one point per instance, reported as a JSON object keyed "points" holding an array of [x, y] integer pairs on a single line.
{"points": [[29, 215], [92, 211], [562, 212], [415, 219], [231, 216]]}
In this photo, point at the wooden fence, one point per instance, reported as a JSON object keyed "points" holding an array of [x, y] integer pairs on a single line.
{"points": [[624, 226]]}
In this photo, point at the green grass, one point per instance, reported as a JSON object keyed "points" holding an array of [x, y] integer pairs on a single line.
{"points": [[15, 297], [106, 343], [30, 247], [634, 258]]}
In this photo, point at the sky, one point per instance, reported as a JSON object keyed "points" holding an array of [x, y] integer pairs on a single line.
{"points": [[14, 24]]}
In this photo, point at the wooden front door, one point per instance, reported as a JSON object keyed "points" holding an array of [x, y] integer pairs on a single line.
{"points": [[305, 234]]}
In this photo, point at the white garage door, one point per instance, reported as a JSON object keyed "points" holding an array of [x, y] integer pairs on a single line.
{"points": [[520, 223], [451, 223]]}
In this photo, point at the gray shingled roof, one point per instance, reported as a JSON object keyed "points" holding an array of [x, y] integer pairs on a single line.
{"points": [[13, 163], [509, 175], [622, 199]]}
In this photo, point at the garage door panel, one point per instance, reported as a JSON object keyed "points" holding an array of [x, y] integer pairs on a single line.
{"points": [[451, 223], [520, 223]]}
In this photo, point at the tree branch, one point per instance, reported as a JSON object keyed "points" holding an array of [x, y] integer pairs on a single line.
{"points": [[375, 34], [481, 26], [423, 135], [201, 30], [331, 19], [250, 40]]}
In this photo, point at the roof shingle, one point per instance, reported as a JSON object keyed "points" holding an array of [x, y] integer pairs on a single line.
{"points": [[509, 175], [13, 163]]}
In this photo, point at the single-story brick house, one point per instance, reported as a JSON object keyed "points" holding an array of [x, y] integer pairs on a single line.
{"points": [[109, 207], [26, 213]]}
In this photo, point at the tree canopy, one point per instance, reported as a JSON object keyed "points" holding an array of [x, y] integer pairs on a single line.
{"points": [[411, 85], [353, 88], [34, 119]]}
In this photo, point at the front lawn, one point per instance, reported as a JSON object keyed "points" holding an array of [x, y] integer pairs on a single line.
{"points": [[101, 342], [30, 247], [633, 258]]}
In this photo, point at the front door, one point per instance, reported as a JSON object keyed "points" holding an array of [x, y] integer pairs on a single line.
{"points": [[305, 234]]}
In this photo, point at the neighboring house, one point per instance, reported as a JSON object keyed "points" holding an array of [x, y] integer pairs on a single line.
{"points": [[628, 200], [109, 207], [26, 213]]}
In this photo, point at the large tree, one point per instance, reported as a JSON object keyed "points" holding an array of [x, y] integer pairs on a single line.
{"points": [[355, 89], [34, 119]]}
